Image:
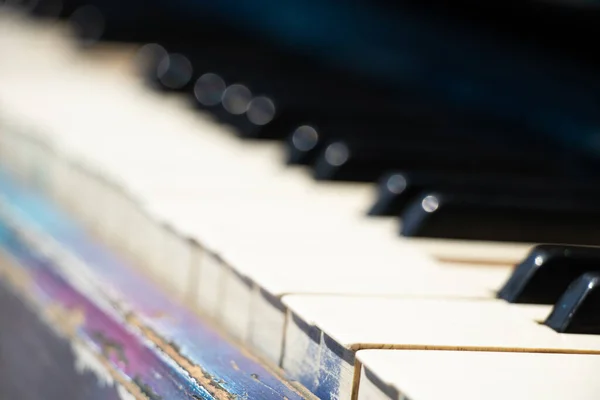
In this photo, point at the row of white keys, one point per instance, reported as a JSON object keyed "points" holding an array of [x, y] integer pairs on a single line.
{"points": [[467, 375], [333, 328], [444, 249], [352, 196], [277, 278], [428, 358], [276, 273]]}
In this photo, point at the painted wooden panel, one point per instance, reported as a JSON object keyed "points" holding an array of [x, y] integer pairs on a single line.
{"points": [[125, 312], [37, 362]]}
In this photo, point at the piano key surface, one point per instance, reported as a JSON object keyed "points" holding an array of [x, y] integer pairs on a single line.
{"points": [[428, 375], [327, 331]]}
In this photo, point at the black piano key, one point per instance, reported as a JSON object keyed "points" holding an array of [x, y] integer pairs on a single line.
{"points": [[51, 9], [306, 141], [89, 24], [317, 96], [147, 59], [138, 21], [547, 272], [543, 219], [578, 310], [303, 145], [225, 79], [270, 117], [396, 190], [224, 53], [362, 159], [275, 92], [174, 71], [215, 75]]}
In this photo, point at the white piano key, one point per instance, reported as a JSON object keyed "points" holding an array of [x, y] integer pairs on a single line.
{"points": [[177, 271], [472, 251], [353, 323], [466, 375], [303, 342], [234, 311], [273, 230], [210, 284], [310, 276], [284, 257]]}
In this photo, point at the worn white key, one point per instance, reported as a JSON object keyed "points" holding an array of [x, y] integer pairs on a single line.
{"points": [[376, 274], [466, 375], [350, 323]]}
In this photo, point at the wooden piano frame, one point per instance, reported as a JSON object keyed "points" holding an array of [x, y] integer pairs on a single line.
{"points": [[79, 321]]}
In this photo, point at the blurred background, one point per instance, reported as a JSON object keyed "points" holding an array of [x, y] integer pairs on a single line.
{"points": [[528, 66]]}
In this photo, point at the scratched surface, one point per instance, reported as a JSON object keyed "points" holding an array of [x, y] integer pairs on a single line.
{"points": [[227, 368], [156, 376]]}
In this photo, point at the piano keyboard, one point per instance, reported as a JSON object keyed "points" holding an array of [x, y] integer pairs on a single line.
{"points": [[292, 268]]}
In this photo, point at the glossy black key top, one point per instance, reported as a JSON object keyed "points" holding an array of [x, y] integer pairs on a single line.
{"points": [[397, 189], [287, 100], [578, 310], [547, 272], [363, 159], [503, 218], [137, 21], [223, 53], [52, 9], [307, 141]]}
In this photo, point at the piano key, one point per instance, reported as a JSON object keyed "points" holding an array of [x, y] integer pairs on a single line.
{"points": [[175, 71], [281, 113], [275, 279], [360, 159], [307, 141], [547, 272], [577, 309], [397, 189], [220, 56], [50, 9], [349, 324], [283, 90], [502, 218], [429, 375]]}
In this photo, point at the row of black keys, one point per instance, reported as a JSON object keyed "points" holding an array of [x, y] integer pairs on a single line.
{"points": [[567, 277], [468, 178]]}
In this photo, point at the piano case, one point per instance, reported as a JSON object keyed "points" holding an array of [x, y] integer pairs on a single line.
{"points": [[77, 321]]}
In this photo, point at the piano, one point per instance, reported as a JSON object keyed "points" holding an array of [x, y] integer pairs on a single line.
{"points": [[382, 200]]}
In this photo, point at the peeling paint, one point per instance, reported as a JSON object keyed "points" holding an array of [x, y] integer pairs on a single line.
{"points": [[193, 357], [87, 361], [124, 394]]}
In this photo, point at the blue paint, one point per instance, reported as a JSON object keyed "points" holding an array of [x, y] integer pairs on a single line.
{"points": [[329, 376], [196, 341], [152, 371]]}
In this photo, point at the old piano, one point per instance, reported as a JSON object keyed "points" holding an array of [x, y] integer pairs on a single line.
{"points": [[299, 199]]}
